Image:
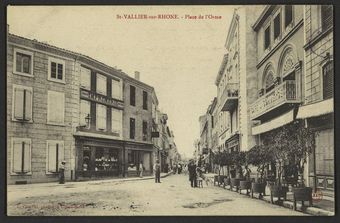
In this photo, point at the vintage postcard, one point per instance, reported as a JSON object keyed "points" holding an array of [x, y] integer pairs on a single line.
{"points": [[224, 110]]}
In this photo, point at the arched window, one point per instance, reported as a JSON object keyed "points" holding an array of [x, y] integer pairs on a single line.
{"points": [[269, 81]]}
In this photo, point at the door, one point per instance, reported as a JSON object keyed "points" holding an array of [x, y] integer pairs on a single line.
{"points": [[324, 159]]}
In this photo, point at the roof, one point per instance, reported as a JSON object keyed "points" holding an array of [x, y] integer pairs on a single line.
{"points": [[12, 38]]}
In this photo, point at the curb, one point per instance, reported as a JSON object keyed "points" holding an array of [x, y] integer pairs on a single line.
{"points": [[289, 204]]}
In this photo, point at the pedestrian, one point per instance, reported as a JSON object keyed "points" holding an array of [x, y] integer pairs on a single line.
{"points": [[157, 170], [62, 172], [141, 169], [192, 174], [179, 168]]}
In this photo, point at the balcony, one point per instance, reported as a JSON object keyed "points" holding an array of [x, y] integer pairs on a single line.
{"points": [[230, 96], [286, 93]]}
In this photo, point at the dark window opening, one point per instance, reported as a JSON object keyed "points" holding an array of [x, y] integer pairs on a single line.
{"points": [[288, 14], [267, 38], [328, 75], [145, 100], [132, 95], [145, 130], [326, 16], [277, 26], [23, 63], [132, 128]]}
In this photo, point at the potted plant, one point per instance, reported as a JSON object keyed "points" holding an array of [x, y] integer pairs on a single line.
{"points": [[237, 170], [258, 156], [245, 182], [303, 141], [218, 160], [226, 161]]}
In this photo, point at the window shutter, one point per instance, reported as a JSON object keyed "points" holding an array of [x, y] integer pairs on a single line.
{"points": [[18, 103], [328, 80], [17, 157], [28, 105], [52, 161], [27, 157], [85, 77], [56, 107]]}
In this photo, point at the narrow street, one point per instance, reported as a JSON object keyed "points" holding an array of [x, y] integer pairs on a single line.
{"points": [[173, 196]]}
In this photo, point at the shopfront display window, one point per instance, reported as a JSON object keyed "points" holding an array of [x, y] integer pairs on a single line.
{"points": [[106, 159]]}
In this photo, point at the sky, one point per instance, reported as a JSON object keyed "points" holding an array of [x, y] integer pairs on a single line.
{"points": [[179, 57]]}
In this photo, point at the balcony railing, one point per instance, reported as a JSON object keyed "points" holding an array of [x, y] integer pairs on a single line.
{"points": [[229, 96], [285, 93]]}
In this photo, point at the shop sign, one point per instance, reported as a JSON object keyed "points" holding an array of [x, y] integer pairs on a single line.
{"points": [[154, 134], [92, 96]]}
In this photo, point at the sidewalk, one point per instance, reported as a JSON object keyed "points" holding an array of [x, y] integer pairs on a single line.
{"points": [[324, 207], [89, 182]]}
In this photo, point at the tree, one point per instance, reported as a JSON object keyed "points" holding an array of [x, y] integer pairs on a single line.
{"points": [[259, 156]]}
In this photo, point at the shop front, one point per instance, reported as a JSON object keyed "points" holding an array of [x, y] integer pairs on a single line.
{"points": [[98, 158], [137, 156]]}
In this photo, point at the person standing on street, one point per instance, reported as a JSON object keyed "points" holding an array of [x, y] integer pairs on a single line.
{"points": [[141, 169], [157, 170], [62, 172], [192, 174]]}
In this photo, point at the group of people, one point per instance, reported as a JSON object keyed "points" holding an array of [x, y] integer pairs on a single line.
{"points": [[194, 173], [177, 168]]}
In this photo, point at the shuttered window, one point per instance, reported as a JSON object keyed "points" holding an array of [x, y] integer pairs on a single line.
{"points": [[101, 84], [145, 130], [117, 87], [101, 117], [21, 156], [132, 95], [22, 103], [328, 75], [55, 107], [85, 78], [116, 121], [326, 16], [55, 154], [132, 128]]}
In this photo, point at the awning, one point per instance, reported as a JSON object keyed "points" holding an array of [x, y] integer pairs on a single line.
{"points": [[316, 109], [274, 123]]}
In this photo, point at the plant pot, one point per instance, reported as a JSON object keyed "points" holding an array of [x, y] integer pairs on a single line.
{"points": [[234, 182], [278, 191], [226, 181], [259, 188], [245, 185], [302, 194]]}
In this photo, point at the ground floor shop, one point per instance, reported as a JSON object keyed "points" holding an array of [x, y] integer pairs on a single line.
{"points": [[107, 158]]}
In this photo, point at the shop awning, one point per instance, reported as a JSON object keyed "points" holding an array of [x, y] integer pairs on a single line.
{"points": [[316, 109], [274, 123]]}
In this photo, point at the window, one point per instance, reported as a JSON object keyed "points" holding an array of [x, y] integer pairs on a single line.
{"points": [[22, 103], [56, 70], [54, 155], [267, 37], [101, 84], [85, 110], [132, 95], [326, 16], [132, 128], [55, 107], [101, 117], [327, 79], [21, 156], [116, 121], [117, 89], [288, 14], [145, 130], [145, 100], [23, 62], [277, 26], [85, 78]]}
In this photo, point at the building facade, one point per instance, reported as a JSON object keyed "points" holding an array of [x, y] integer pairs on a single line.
{"points": [[236, 82], [317, 109], [66, 106]]}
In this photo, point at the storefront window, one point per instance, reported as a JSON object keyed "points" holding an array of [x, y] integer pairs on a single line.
{"points": [[106, 159], [132, 160]]}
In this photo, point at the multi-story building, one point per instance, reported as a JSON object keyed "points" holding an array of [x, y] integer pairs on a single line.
{"points": [[41, 110], [318, 100], [66, 106], [236, 82], [280, 73]]}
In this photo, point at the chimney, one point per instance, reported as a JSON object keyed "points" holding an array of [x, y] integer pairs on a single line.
{"points": [[137, 75]]}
